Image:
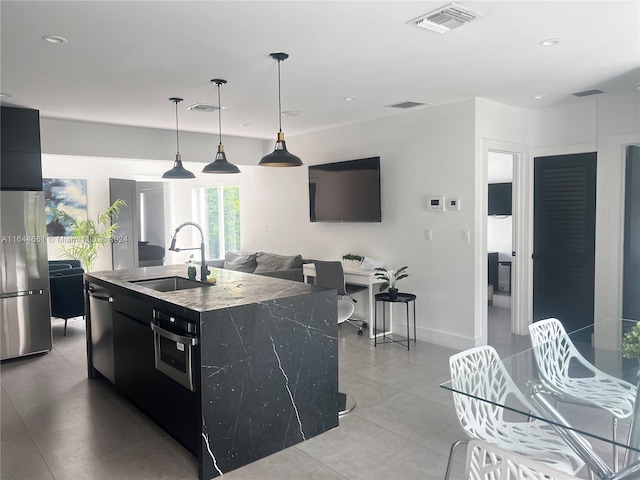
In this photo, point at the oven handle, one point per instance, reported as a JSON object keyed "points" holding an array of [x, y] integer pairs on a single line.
{"points": [[174, 337]]}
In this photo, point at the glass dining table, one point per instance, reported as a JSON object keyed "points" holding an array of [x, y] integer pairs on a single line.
{"points": [[580, 424]]}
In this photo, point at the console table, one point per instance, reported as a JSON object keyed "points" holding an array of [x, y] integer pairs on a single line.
{"points": [[356, 276]]}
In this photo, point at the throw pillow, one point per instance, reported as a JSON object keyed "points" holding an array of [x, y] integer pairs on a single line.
{"points": [[240, 261], [269, 262]]}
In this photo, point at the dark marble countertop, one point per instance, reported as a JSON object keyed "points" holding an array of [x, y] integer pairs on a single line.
{"points": [[231, 288]]}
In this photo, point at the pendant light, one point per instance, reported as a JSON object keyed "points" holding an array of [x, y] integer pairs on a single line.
{"points": [[220, 164], [178, 171], [280, 156]]}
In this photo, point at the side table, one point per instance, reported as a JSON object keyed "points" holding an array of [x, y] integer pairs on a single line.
{"points": [[405, 298]]}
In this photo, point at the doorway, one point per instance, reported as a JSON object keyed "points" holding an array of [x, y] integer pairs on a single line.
{"points": [[564, 239], [500, 246]]}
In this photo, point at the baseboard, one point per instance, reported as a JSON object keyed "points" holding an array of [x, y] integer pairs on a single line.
{"points": [[443, 339]]}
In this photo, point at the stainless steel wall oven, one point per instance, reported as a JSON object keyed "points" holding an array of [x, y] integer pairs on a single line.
{"points": [[175, 341]]}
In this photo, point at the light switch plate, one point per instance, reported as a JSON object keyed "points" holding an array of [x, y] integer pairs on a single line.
{"points": [[435, 203], [453, 204]]}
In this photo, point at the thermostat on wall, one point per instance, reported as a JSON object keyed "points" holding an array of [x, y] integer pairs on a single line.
{"points": [[435, 203]]}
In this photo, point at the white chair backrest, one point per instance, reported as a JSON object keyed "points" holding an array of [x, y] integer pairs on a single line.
{"points": [[553, 350], [480, 372], [488, 462], [555, 353]]}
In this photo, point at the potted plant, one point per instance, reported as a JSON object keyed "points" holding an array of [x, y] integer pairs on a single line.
{"points": [[390, 279], [631, 344], [351, 260], [89, 237]]}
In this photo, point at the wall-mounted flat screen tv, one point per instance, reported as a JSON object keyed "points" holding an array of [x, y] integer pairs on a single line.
{"points": [[345, 191], [499, 199]]}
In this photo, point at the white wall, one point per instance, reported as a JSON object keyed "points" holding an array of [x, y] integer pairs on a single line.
{"points": [[69, 137], [423, 152]]}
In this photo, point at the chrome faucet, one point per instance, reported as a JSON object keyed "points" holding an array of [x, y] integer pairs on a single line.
{"points": [[204, 270]]}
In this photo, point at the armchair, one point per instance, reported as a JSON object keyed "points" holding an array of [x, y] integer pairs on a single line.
{"points": [[67, 294]]}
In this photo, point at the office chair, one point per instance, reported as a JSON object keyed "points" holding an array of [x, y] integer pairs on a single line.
{"points": [[331, 275]]}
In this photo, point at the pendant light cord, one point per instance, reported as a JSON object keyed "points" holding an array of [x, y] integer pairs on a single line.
{"points": [[219, 114], [279, 99], [177, 130]]}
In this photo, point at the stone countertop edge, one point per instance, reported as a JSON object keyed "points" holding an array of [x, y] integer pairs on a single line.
{"points": [[230, 290]]}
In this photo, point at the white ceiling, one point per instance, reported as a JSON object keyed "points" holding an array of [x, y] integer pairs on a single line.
{"points": [[124, 59]]}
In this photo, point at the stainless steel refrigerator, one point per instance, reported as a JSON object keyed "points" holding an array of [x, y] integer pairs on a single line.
{"points": [[25, 312]]}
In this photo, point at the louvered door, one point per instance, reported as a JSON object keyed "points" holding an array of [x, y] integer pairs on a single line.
{"points": [[631, 278], [564, 238]]}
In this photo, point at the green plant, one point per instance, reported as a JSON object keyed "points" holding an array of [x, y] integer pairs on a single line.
{"points": [[352, 256], [89, 237], [390, 278], [631, 343]]}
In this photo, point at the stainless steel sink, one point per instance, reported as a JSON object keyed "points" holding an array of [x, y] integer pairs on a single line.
{"points": [[170, 284]]}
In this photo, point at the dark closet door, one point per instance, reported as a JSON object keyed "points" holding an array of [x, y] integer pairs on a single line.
{"points": [[564, 238], [631, 280]]}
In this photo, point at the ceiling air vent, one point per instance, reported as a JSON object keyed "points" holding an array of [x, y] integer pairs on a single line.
{"points": [[407, 105], [586, 93], [203, 107], [446, 18]]}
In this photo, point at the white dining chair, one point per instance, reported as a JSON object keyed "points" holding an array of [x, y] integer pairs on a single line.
{"points": [[488, 462], [480, 373], [554, 353]]}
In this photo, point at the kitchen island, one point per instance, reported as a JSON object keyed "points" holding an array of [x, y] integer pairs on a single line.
{"points": [[235, 371]]}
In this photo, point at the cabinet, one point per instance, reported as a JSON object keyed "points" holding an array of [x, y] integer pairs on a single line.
{"points": [[169, 404], [20, 143]]}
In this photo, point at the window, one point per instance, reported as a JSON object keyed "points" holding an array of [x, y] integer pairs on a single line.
{"points": [[218, 212]]}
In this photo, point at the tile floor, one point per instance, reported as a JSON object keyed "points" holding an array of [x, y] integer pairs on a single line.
{"points": [[57, 424]]}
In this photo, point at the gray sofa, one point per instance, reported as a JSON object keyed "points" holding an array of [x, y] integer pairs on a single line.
{"points": [[262, 263]]}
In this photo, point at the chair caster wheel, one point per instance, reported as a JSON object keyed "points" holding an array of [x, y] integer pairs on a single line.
{"points": [[365, 325], [360, 332]]}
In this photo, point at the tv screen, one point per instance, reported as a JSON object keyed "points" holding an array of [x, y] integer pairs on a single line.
{"points": [[345, 191], [499, 199]]}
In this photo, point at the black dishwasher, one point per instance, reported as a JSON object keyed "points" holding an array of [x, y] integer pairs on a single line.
{"points": [[171, 405]]}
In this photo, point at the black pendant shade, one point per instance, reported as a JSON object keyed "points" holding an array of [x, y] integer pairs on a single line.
{"points": [[178, 171], [220, 163], [280, 157]]}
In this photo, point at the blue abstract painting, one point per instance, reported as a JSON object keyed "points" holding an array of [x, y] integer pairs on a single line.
{"points": [[69, 195]]}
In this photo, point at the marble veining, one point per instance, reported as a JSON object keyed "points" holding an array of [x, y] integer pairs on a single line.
{"points": [[286, 379], [213, 458]]}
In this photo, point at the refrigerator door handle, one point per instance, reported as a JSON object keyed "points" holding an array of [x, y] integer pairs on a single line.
{"points": [[22, 294]]}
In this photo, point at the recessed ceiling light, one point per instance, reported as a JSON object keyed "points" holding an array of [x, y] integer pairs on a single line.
{"points": [[54, 39], [350, 99], [550, 42], [538, 97], [8, 95], [291, 113], [246, 124]]}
